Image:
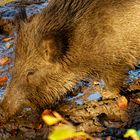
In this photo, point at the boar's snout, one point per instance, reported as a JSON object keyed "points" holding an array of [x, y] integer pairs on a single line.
{"points": [[11, 104]]}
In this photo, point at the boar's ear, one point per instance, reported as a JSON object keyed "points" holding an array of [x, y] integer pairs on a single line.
{"points": [[20, 18], [54, 48]]}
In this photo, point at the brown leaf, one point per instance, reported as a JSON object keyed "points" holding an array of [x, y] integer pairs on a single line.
{"points": [[37, 126], [6, 39], [13, 132], [108, 138], [4, 61], [47, 112], [8, 45], [136, 100], [135, 85]]}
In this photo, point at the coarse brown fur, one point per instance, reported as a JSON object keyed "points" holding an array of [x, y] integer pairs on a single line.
{"points": [[69, 40]]}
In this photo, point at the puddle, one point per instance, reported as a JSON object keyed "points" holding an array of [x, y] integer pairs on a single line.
{"points": [[6, 53], [94, 96], [133, 75], [7, 47], [9, 52], [30, 9]]}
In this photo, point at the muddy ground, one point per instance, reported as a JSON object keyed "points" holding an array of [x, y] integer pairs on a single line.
{"points": [[84, 106]]}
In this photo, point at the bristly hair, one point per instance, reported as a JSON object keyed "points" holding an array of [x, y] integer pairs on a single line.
{"points": [[59, 14], [20, 17]]}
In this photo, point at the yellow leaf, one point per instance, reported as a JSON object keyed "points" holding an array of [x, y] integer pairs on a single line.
{"points": [[83, 134], [51, 117], [50, 120], [68, 132], [95, 83], [62, 133], [2, 2], [57, 115], [132, 133]]}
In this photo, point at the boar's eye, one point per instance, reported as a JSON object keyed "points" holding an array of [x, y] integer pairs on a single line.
{"points": [[30, 73]]}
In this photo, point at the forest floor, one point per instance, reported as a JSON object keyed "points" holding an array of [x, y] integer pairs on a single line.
{"points": [[89, 106]]}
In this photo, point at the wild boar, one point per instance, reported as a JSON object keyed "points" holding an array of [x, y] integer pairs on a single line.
{"points": [[67, 41]]}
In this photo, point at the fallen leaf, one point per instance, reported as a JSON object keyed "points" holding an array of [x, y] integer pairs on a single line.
{"points": [[14, 132], [122, 102], [132, 133], [62, 133], [37, 126], [135, 85], [63, 130], [80, 138], [47, 112], [57, 115], [68, 132], [81, 133], [50, 120], [4, 61], [108, 138], [6, 39], [3, 79], [8, 45], [136, 100], [96, 83], [50, 117]]}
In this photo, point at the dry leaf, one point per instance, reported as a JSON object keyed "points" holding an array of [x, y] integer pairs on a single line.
{"points": [[6, 39], [50, 117], [4, 61], [122, 102], [3, 79], [132, 133], [108, 138], [96, 83], [136, 100], [37, 126], [57, 115], [68, 132], [8, 45]]}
